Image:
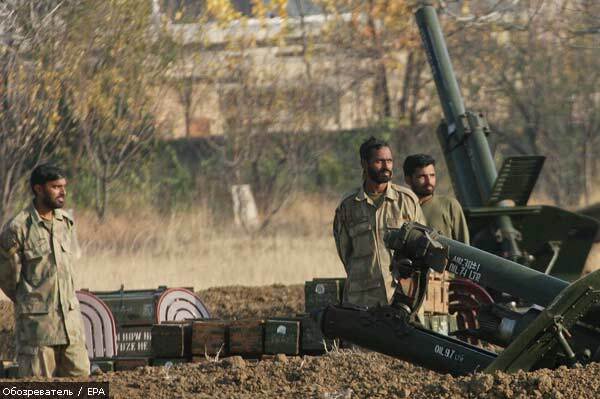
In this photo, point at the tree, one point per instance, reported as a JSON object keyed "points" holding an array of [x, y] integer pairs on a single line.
{"points": [[114, 87], [31, 91]]}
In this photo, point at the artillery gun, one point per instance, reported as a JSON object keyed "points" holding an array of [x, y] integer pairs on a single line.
{"points": [[562, 328], [526, 253]]}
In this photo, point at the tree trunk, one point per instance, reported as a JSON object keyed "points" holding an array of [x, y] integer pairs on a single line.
{"points": [[245, 212], [101, 197]]}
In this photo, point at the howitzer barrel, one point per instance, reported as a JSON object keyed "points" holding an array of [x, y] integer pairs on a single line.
{"points": [[441, 66], [463, 140], [463, 135], [412, 241], [504, 275]]}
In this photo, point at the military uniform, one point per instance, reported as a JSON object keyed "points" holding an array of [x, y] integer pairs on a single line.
{"points": [[358, 228], [36, 273], [445, 215]]}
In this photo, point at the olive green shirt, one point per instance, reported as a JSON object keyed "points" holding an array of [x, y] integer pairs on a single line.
{"points": [[358, 228], [445, 215], [36, 273]]}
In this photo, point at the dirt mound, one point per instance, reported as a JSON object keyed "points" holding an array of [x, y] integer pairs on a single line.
{"points": [[338, 374], [241, 302]]}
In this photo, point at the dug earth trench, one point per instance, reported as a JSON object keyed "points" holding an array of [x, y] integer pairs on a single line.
{"points": [[339, 374]]}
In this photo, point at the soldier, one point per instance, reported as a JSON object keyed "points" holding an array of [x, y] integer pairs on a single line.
{"points": [[444, 214], [37, 248], [362, 219]]}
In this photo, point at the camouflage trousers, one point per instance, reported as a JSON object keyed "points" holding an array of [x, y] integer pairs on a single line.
{"points": [[53, 361], [368, 298]]}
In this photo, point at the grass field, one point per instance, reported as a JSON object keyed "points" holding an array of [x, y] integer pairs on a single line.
{"points": [[146, 250]]}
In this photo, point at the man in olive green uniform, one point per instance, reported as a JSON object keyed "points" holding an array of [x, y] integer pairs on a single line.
{"points": [[443, 213], [37, 248], [361, 221]]}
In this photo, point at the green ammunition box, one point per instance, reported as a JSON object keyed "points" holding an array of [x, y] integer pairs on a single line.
{"points": [[134, 341], [209, 337], [282, 336], [170, 340], [133, 363], [320, 293], [452, 323], [12, 371], [311, 339], [168, 361], [5, 368], [435, 323], [132, 307], [341, 282], [103, 365], [246, 337]]}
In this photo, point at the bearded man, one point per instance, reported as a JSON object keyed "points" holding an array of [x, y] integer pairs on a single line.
{"points": [[37, 250], [361, 221], [443, 213]]}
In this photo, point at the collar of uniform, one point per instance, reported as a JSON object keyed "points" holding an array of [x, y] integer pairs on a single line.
{"points": [[390, 193], [59, 214], [35, 216], [37, 219]]}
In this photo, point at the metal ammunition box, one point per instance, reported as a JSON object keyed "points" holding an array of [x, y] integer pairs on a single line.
{"points": [[441, 324], [5, 368], [103, 365], [134, 341], [132, 307], [322, 292], [209, 337], [282, 336], [133, 363], [311, 338], [171, 340], [246, 337], [12, 371], [168, 361], [452, 323]]}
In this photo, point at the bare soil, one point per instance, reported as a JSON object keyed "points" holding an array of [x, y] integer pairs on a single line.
{"points": [[338, 374]]}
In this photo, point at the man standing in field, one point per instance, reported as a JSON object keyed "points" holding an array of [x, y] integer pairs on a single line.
{"points": [[361, 221], [37, 249], [443, 213]]}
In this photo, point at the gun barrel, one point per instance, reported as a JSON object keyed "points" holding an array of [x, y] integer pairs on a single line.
{"points": [[413, 241], [463, 136], [502, 274], [441, 66]]}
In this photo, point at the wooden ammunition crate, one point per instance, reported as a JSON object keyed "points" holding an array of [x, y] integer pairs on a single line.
{"points": [[436, 299], [282, 336], [133, 363], [173, 339], [319, 293], [311, 339], [168, 361], [104, 365], [209, 337], [246, 337], [134, 341]]}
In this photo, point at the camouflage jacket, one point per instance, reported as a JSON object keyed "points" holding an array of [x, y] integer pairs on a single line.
{"points": [[358, 228], [36, 273], [445, 215]]}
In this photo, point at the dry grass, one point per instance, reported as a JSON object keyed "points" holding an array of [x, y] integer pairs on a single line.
{"points": [[193, 249], [145, 249]]}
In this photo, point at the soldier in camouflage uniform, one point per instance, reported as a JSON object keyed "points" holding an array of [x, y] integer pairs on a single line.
{"points": [[443, 213], [37, 248], [361, 221]]}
